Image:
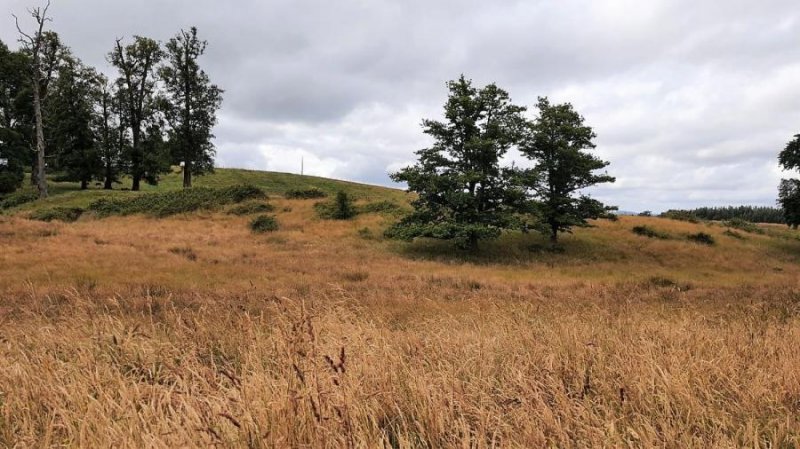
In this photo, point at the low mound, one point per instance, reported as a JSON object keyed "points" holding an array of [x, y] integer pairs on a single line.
{"points": [[176, 202]]}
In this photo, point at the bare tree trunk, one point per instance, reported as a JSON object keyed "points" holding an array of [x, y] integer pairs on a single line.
{"points": [[41, 180], [554, 234], [187, 174]]}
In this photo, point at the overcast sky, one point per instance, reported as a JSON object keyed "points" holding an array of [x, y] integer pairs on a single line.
{"points": [[691, 99]]}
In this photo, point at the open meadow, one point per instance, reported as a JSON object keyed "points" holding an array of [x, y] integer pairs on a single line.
{"points": [[191, 330]]}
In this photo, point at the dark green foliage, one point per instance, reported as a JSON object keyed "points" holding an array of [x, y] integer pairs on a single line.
{"points": [[681, 215], [381, 207], [176, 202], [734, 234], [15, 118], [264, 223], [702, 238], [69, 120], [18, 199], [136, 64], [190, 105], [647, 231], [743, 225], [305, 194], [558, 142], [789, 189], [340, 208], [754, 214], [463, 194], [789, 199], [66, 214], [646, 213], [251, 208], [10, 180]]}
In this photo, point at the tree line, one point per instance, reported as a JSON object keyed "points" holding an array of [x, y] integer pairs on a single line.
{"points": [[466, 193], [60, 115], [753, 214]]}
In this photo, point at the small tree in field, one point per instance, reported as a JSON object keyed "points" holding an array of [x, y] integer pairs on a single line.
{"points": [[558, 142], [789, 189], [463, 193]]}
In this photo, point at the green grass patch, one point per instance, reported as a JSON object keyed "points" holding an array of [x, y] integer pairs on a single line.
{"points": [[164, 204], [264, 223], [381, 207], [701, 238], [647, 231], [305, 194], [743, 225], [251, 208], [65, 214], [18, 198]]}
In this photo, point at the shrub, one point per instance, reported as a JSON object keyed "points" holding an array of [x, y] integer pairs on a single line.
{"points": [[341, 208], [66, 214], [250, 208], [164, 204], [186, 252], [681, 215], [647, 231], [10, 181], [18, 199], [734, 234], [264, 223], [384, 206], [305, 194], [743, 225], [702, 238]]}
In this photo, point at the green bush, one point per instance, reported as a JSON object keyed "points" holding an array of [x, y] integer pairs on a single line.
{"points": [[647, 231], [164, 204], [18, 199], [305, 194], [734, 234], [341, 208], [702, 238], [743, 225], [264, 223], [385, 206], [10, 181], [250, 208], [66, 214], [681, 215]]}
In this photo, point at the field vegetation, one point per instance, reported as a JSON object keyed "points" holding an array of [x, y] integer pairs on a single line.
{"points": [[191, 330]]}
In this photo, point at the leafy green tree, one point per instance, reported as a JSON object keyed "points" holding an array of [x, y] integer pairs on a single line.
{"points": [[190, 105], [789, 189], [463, 194], [136, 64], [14, 121], [110, 131], [558, 142], [70, 116]]}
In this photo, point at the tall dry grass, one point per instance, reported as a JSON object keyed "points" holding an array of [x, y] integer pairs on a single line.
{"points": [[110, 335]]}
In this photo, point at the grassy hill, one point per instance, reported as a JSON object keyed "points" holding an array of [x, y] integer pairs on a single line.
{"points": [[68, 194], [192, 330]]}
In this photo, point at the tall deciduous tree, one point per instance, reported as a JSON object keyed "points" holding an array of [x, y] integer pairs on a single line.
{"points": [[558, 142], [14, 119], [70, 117], [136, 63], [463, 193], [36, 45], [789, 189], [110, 131], [190, 104]]}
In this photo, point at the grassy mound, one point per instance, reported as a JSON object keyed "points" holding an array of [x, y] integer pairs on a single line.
{"points": [[647, 231], [65, 214], [176, 202], [18, 199], [264, 223], [251, 208]]}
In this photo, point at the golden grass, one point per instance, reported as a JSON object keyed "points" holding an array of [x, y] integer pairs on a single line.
{"points": [[191, 331]]}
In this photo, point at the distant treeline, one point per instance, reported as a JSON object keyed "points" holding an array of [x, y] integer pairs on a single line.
{"points": [[755, 214]]}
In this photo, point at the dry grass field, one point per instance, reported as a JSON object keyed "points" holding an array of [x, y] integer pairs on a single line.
{"points": [[192, 331]]}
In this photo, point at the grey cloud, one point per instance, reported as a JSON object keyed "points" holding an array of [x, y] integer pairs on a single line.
{"points": [[691, 100]]}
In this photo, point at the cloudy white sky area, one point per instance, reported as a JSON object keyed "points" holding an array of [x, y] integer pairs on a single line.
{"points": [[691, 100]]}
